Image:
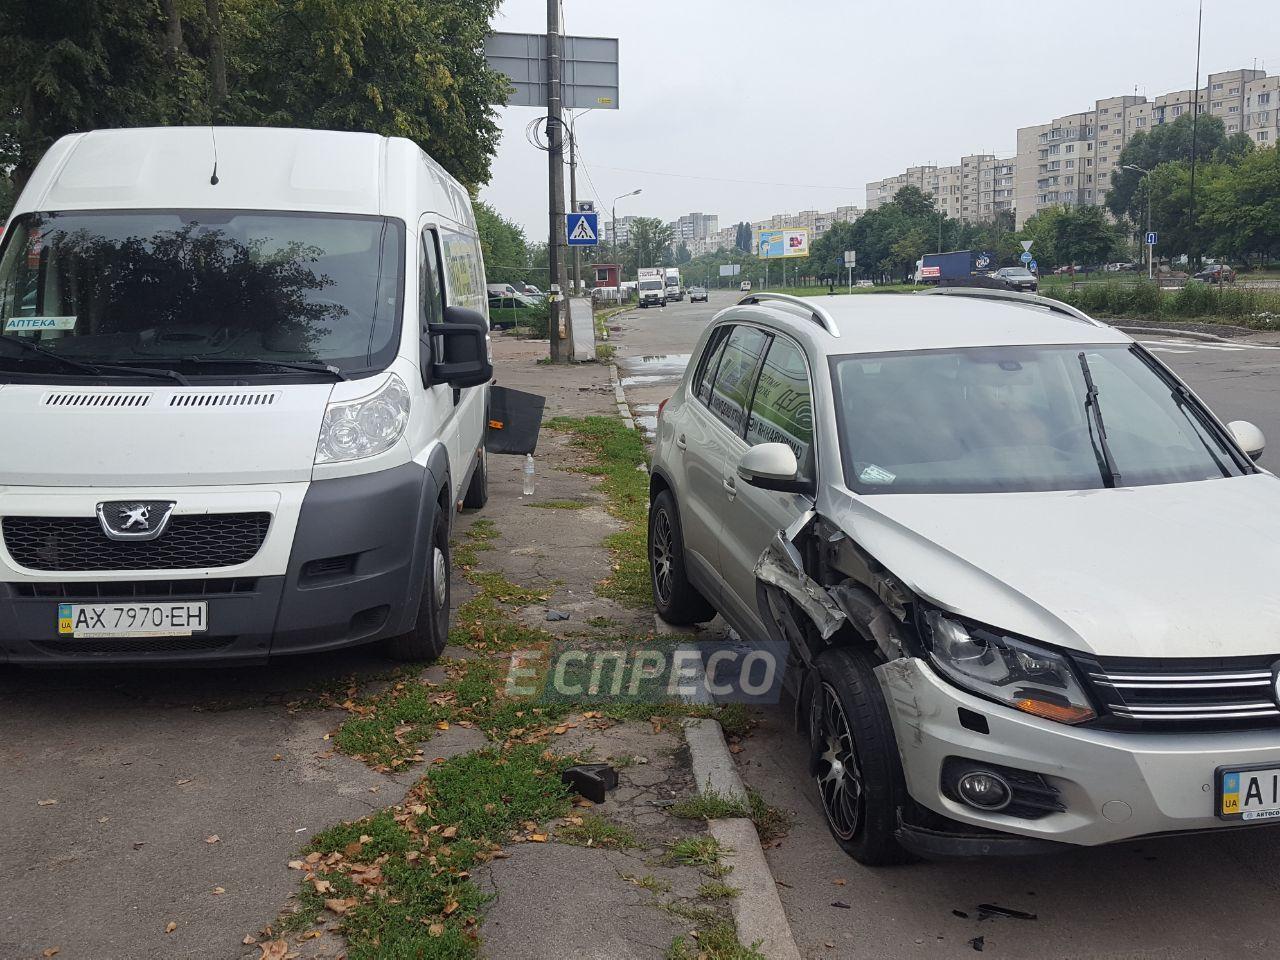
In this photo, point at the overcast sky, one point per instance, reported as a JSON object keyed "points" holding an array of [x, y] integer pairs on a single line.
{"points": [[810, 99]]}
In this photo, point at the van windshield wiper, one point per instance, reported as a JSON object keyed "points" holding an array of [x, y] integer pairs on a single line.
{"points": [[96, 369], [1110, 475], [303, 366]]}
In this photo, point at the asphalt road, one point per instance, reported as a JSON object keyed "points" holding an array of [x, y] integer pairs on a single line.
{"points": [[1193, 897]]}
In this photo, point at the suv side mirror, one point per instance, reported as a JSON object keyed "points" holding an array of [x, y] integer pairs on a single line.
{"points": [[463, 360], [773, 466], [1249, 437]]}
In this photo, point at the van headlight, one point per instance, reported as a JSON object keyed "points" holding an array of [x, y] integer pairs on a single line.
{"points": [[1006, 669], [355, 429]]}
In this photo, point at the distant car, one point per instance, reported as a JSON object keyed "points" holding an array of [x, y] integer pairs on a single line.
{"points": [[864, 283], [1019, 278], [1217, 273], [745, 286], [697, 293]]}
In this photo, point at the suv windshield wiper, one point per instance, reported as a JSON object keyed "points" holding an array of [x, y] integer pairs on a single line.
{"points": [[302, 366], [1110, 475], [94, 369]]}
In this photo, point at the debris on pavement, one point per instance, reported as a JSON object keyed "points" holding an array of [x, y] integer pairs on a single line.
{"points": [[591, 780], [990, 911], [978, 943], [555, 616]]}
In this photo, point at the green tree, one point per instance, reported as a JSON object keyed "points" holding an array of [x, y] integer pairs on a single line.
{"points": [[506, 252], [743, 237], [1071, 235], [650, 244], [1164, 143], [1239, 208]]}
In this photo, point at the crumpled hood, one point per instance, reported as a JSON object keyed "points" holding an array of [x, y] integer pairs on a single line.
{"points": [[155, 436], [1177, 570]]}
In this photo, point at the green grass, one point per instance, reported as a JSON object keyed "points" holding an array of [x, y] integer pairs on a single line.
{"points": [[596, 831], [649, 882], [1144, 300], [606, 351], [560, 505], [717, 890], [771, 823], [718, 941], [702, 852], [841, 289], [617, 454]]}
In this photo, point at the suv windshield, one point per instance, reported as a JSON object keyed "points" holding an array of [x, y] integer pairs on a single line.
{"points": [[991, 419], [156, 288]]}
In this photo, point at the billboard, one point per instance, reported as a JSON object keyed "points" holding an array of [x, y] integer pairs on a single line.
{"points": [[589, 68], [772, 244], [730, 269]]}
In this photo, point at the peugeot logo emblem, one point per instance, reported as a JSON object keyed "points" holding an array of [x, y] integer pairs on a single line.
{"points": [[134, 519]]}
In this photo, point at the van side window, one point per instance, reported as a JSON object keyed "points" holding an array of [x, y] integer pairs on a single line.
{"points": [[711, 360], [736, 377], [429, 292], [782, 409], [464, 270]]}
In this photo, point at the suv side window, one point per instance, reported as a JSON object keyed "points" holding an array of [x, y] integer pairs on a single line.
{"points": [[782, 409], [736, 376], [711, 360]]}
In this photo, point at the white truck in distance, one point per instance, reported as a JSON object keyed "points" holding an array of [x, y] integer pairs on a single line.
{"points": [[674, 288], [653, 290]]}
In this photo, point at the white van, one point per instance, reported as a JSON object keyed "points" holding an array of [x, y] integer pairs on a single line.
{"points": [[243, 387]]}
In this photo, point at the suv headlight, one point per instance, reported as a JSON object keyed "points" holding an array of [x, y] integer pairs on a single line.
{"points": [[1005, 669], [355, 429]]}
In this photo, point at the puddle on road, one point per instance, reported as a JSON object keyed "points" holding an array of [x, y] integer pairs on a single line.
{"points": [[646, 418], [667, 367]]}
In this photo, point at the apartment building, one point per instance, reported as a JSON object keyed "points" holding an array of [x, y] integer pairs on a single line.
{"points": [[997, 187], [1072, 159], [1262, 110], [694, 226], [624, 229], [880, 192], [959, 190]]}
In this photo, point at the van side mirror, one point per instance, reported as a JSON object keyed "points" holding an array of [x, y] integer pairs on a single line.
{"points": [[1249, 437], [773, 466], [463, 360]]}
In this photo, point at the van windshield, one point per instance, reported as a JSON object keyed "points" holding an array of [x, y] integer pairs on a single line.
{"points": [[184, 289], [650, 284]]}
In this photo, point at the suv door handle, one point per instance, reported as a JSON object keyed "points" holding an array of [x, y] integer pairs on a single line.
{"points": [[681, 442], [730, 487]]}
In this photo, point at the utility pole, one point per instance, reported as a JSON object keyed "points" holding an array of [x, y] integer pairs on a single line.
{"points": [[555, 165], [573, 203], [1195, 117]]}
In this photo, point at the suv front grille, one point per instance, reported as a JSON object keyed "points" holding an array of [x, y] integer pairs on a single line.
{"points": [[191, 542], [1230, 691]]}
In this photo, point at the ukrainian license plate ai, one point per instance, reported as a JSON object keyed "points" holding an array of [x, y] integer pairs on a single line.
{"points": [[181, 619]]}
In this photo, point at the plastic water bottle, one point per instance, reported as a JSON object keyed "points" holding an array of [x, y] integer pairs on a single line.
{"points": [[528, 474]]}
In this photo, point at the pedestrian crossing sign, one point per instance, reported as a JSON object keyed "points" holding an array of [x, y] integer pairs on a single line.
{"points": [[581, 229]]}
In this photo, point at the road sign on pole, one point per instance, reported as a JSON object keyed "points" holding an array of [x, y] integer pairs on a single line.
{"points": [[1025, 258], [1152, 238], [1033, 266], [1026, 245], [586, 206], [851, 258], [581, 229]]}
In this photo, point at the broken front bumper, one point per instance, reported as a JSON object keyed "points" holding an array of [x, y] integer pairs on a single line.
{"points": [[1113, 785]]}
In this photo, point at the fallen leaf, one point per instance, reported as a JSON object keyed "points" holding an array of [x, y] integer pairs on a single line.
{"points": [[213, 839], [436, 929], [46, 803], [170, 927], [219, 890], [449, 907], [51, 952], [311, 935], [353, 849], [442, 725], [322, 886], [538, 837], [249, 938], [341, 906], [103, 819], [273, 950], [313, 857], [449, 832], [839, 883], [278, 756], [735, 748], [184, 781], [297, 865]]}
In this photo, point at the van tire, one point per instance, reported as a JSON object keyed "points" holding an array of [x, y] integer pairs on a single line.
{"points": [[477, 494], [677, 601], [846, 692], [430, 633]]}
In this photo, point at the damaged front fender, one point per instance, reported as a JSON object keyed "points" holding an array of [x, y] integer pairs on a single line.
{"points": [[781, 568]]}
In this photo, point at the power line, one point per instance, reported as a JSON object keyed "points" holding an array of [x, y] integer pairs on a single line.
{"points": [[755, 183]]}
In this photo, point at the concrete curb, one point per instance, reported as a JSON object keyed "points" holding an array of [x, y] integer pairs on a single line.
{"points": [[1133, 330], [757, 910], [620, 398]]}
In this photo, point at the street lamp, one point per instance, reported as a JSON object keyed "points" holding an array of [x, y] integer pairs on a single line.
{"points": [[1150, 249], [614, 217]]}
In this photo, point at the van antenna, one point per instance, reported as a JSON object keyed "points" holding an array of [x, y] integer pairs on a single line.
{"points": [[213, 136]]}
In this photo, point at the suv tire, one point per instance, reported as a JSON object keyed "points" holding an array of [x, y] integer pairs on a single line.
{"points": [[477, 494], [677, 600], [430, 633], [855, 757]]}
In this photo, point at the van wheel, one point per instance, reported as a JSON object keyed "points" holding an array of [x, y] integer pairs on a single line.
{"points": [[477, 494], [430, 633], [854, 758], [677, 600]]}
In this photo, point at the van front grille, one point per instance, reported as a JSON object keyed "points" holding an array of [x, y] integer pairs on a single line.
{"points": [[191, 542]]}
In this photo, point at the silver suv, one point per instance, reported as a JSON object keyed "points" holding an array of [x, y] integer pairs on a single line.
{"points": [[1025, 576]]}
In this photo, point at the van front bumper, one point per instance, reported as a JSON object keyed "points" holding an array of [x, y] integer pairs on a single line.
{"points": [[352, 575], [1112, 785]]}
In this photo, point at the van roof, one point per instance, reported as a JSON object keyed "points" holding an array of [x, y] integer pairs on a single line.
{"points": [[258, 168]]}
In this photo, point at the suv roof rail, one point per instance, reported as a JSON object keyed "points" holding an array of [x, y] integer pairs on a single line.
{"points": [[816, 313], [1011, 296]]}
